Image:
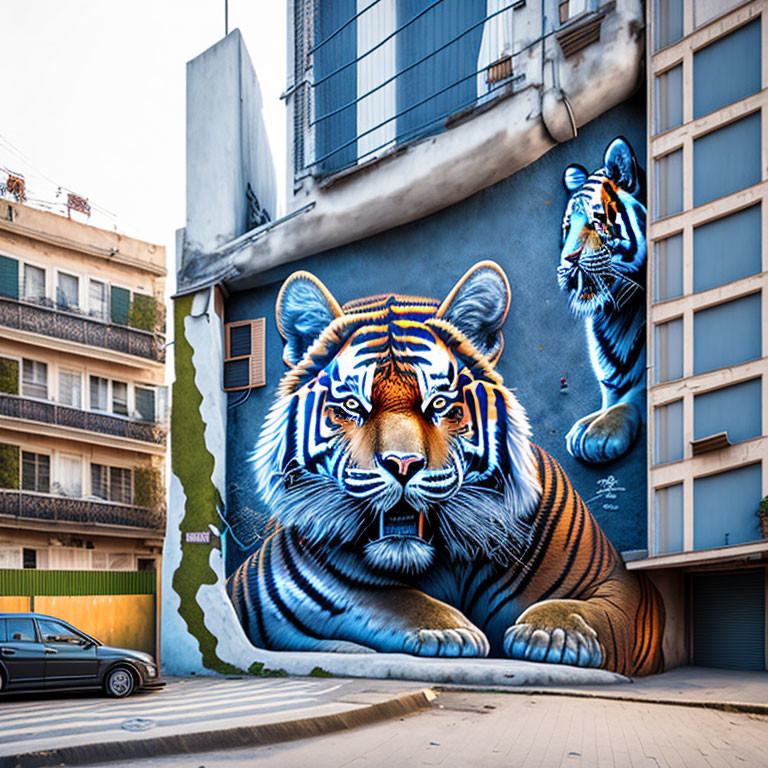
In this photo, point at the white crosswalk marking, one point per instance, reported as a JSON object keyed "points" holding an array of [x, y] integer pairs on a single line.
{"points": [[27, 723]]}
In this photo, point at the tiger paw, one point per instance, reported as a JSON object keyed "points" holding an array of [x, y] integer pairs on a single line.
{"points": [[552, 632], [604, 435], [463, 641]]}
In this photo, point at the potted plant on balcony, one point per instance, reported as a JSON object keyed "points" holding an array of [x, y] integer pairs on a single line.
{"points": [[762, 514]]}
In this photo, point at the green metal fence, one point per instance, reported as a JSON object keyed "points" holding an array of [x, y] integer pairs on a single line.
{"points": [[30, 583]]}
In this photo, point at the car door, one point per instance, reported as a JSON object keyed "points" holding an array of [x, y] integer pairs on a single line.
{"points": [[23, 655], [70, 658]]}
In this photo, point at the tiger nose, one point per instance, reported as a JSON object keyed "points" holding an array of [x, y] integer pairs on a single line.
{"points": [[403, 466]]}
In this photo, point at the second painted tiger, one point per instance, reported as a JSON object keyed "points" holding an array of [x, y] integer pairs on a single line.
{"points": [[413, 513]]}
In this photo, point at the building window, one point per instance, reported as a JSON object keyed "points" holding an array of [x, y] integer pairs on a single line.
{"points": [[669, 351], [669, 184], [669, 433], [669, 99], [145, 403], [668, 509], [244, 358], [727, 249], [98, 305], [706, 10], [736, 410], [727, 160], [70, 388], [34, 379], [71, 475], [724, 507], [112, 483], [120, 486], [714, 83], [67, 292], [29, 559], [99, 394], [35, 472], [727, 334], [120, 398], [668, 269], [34, 284], [669, 22]]}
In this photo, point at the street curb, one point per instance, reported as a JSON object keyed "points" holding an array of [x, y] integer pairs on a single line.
{"points": [[231, 738], [723, 706]]}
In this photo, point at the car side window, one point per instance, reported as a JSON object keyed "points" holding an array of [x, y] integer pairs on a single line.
{"points": [[21, 631], [55, 632]]}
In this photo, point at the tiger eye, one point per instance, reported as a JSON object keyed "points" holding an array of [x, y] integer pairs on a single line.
{"points": [[439, 403], [351, 404]]}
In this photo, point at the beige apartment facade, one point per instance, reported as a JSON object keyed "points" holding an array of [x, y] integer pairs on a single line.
{"points": [[83, 405], [707, 315]]}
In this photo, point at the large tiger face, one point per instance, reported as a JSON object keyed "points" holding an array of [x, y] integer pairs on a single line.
{"points": [[392, 435], [602, 261]]}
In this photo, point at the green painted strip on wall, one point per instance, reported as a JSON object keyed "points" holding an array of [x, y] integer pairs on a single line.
{"points": [[28, 583]]}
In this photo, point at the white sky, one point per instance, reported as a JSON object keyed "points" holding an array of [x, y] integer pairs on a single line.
{"points": [[94, 96]]}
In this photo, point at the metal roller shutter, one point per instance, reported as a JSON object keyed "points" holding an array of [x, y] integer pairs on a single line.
{"points": [[729, 619]]}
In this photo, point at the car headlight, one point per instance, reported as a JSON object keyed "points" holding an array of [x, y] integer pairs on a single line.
{"points": [[151, 670]]}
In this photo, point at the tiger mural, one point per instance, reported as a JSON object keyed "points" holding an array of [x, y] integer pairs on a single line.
{"points": [[413, 514], [602, 269]]}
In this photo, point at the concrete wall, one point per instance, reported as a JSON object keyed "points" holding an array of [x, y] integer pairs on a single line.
{"points": [[516, 222]]}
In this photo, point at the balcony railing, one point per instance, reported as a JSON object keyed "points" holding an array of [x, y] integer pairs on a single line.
{"points": [[65, 416], [70, 326], [44, 506]]}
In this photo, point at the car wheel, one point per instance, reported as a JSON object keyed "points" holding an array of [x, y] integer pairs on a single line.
{"points": [[119, 682]]}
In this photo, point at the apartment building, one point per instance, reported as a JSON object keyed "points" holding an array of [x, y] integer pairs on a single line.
{"points": [[707, 312], [82, 396]]}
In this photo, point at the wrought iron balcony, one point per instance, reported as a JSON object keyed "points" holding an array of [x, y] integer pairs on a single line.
{"points": [[70, 326], [66, 416], [44, 506]]}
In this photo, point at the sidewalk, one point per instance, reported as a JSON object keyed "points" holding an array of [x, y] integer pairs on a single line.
{"points": [[205, 714], [732, 690]]}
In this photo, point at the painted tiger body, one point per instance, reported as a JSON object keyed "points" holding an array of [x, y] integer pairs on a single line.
{"points": [[602, 268], [413, 513]]}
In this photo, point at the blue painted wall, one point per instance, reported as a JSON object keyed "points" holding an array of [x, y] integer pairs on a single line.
{"points": [[517, 222]]}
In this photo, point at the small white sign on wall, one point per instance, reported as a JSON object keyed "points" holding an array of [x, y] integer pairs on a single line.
{"points": [[198, 537]]}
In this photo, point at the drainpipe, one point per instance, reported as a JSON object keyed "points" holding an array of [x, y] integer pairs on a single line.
{"points": [[556, 111]]}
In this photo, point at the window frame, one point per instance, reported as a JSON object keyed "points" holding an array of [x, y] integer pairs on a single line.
{"points": [[36, 452], [74, 372], [48, 366], [79, 277]]}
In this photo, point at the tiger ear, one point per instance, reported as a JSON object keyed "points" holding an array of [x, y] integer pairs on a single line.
{"points": [[574, 177], [620, 163], [305, 307], [478, 306]]}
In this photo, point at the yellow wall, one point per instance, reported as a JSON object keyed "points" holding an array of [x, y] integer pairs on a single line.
{"points": [[125, 621], [14, 604]]}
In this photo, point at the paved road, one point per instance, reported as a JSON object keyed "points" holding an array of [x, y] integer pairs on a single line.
{"points": [[40, 722], [489, 730]]}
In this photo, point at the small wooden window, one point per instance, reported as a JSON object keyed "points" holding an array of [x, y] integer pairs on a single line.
{"points": [[244, 358]]}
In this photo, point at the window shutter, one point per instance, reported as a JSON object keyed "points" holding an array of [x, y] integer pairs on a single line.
{"points": [[244, 354], [120, 305], [9, 277]]}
